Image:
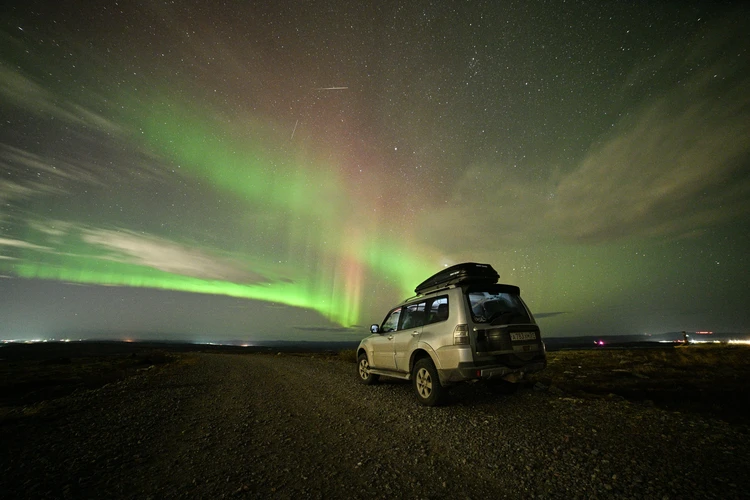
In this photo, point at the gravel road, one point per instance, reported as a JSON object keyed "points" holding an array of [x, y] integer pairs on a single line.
{"points": [[286, 426]]}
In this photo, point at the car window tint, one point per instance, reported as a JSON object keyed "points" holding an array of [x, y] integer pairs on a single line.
{"points": [[414, 315], [391, 322], [438, 310]]}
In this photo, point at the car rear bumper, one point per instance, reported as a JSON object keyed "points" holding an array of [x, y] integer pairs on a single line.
{"points": [[473, 372]]}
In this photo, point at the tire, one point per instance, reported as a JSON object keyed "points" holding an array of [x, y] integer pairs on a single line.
{"points": [[427, 383], [363, 371]]}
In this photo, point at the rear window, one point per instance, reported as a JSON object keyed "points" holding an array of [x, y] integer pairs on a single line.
{"points": [[497, 307]]}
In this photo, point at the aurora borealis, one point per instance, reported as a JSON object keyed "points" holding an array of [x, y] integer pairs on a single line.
{"points": [[254, 170]]}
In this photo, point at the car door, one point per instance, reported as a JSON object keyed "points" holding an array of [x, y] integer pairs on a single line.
{"points": [[382, 345], [406, 338]]}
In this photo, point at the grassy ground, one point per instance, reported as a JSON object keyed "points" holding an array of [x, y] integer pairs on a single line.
{"points": [[708, 379], [349, 355]]}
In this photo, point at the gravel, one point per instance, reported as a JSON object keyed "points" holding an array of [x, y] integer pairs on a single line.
{"points": [[286, 426]]}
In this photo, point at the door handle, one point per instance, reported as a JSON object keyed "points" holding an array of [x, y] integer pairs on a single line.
{"points": [[415, 333], [390, 337]]}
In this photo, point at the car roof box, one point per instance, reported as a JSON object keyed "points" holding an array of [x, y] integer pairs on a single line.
{"points": [[460, 274]]}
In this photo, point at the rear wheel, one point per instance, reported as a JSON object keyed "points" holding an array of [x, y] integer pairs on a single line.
{"points": [[427, 383], [363, 370]]}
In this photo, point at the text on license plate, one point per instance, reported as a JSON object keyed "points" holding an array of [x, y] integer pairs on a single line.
{"points": [[522, 335]]}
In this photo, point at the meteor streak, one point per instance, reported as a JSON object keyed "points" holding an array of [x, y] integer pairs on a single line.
{"points": [[295, 129], [331, 88]]}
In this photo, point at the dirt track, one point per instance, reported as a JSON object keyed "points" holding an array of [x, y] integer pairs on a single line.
{"points": [[258, 425]]}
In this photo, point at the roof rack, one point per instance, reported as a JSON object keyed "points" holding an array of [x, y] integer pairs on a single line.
{"points": [[460, 274]]}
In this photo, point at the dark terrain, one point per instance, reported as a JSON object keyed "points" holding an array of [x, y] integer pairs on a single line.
{"points": [[139, 421], [707, 379]]}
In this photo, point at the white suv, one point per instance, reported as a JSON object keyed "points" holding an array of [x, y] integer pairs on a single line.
{"points": [[462, 325]]}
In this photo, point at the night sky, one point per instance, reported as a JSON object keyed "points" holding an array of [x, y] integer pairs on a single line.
{"points": [[290, 170]]}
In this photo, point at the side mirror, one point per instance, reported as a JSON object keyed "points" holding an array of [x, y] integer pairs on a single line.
{"points": [[374, 329]]}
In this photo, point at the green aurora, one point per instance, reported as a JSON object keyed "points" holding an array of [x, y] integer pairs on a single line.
{"points": [[328, 162], [329, 233]]}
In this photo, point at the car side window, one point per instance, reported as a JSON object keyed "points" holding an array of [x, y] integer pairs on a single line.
{"points": [[391, 322], [438, 310], [414, 315]]}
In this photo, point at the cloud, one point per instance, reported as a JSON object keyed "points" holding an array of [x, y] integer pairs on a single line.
{"points": [[8, 244], [23, 174], [168, 256], [52, 228], [131, 248], [549, 314], [507, 210], [674, 165], [679, 164], [11, 191], [23, 92], [35, 174], [679, 160], [21, 244]]}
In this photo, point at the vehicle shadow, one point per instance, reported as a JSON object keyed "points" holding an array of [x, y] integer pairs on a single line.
{"points": [[465, 394]]}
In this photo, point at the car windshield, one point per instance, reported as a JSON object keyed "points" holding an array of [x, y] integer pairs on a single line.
{"points": [[497, 308]]}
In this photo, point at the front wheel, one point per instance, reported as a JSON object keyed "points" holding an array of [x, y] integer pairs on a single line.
{"points": [[363, 370], [427, 383]]}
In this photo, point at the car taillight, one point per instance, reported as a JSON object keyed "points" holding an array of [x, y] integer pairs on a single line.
{"points": [[461, 335]]}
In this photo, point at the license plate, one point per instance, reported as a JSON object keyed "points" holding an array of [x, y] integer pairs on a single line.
{"points": [[522, 336]]}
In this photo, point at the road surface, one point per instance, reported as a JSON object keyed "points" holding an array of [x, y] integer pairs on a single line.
{"points": [[294, 426]]}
